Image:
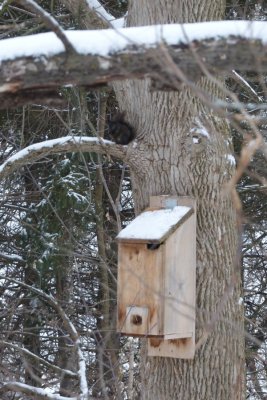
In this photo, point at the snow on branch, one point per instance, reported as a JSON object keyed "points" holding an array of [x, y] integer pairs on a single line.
{"points": [[108, 41], [104, 15], [38, 63], [34, 392], [11, 258], [244, 83], [65, 144]]}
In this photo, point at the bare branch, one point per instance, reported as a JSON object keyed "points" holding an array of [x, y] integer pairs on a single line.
{"points": [[246, 86], [53, 303], [24, 351], [72, 333], [93, 14], [49, 21], [65, 144], [247, 153]]}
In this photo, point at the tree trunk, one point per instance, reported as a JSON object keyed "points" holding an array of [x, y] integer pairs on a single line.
{"points": [[107, 343], [31, 320], [67, 356], [183, 149]]}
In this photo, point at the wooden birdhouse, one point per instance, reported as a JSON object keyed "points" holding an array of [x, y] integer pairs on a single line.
{"points": [[156, 277]]}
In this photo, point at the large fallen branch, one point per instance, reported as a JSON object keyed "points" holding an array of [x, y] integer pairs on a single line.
{"points": [[33, 65]]}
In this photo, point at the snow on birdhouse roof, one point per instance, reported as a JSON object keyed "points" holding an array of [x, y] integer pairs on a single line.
{"points": [[155, 226]]}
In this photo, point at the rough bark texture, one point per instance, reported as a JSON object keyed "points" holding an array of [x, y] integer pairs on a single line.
{"points": [[25, 80], [174, 156]]}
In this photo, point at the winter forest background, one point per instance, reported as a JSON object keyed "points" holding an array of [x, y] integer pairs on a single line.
{"points": [[59, 217]]}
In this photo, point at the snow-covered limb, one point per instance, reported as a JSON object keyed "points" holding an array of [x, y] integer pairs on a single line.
{"points": [[81, 365], [11, 258], [49, 21], [34, 392], [39, 61], [106, 42], [104, 15], [58, 146], [251, 188], [82, 374], [4, 3], [247, 86], [26, 352]]}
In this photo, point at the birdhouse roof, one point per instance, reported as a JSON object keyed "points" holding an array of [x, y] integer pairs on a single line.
{"points": [[155, 226]]}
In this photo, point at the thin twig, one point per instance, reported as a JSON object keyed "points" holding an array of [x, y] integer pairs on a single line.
{"points": [[49, 21]]}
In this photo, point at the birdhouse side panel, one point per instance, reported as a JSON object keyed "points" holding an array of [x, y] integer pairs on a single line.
{"points": [[140, 286], [180, 281]]}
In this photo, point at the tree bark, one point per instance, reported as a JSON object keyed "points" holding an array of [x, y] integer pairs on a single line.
{"points": [[25, 79], [182, 148]]}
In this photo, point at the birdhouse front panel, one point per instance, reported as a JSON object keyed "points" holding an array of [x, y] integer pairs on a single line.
{"points": [[140, 289]]}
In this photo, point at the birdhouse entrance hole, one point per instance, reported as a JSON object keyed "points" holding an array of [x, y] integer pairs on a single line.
{"points": [[156, 277], [136, 319]]}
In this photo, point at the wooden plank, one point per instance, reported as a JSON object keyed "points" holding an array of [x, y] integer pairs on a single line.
{"points": [[176, 348], [136, 320], [140, 284], [180, 281]]}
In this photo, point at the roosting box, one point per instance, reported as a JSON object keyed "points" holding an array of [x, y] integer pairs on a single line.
{"points": [[156, 277]]}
